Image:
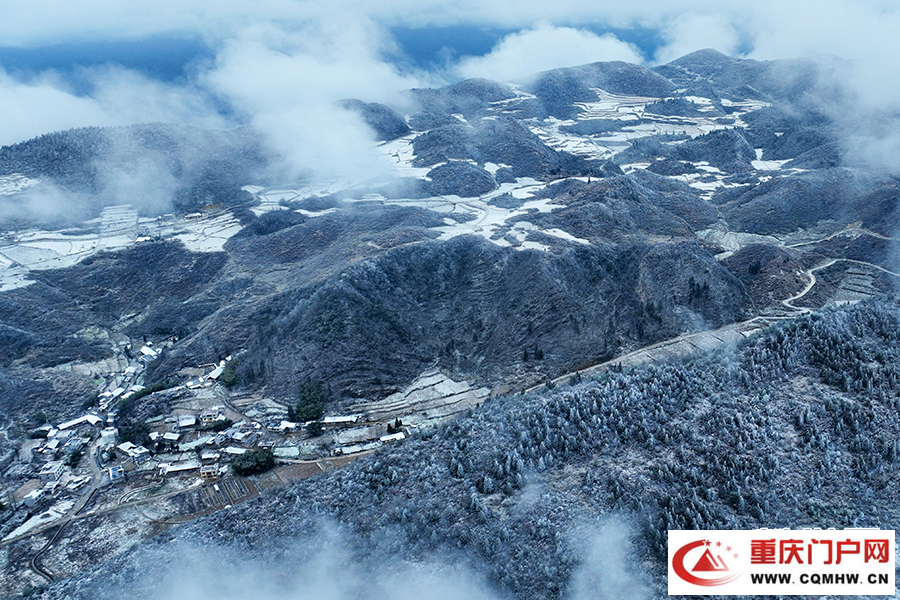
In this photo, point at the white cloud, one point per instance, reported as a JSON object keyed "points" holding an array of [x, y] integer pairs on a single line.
{"points": [[282, 79], [52, 21], [118, 97], [286, 82], [40, 106], [322, 568], [690, 32], [282, 63], [133, 98], [545, 47], [786, 28], [55, 21], [608, 572]]}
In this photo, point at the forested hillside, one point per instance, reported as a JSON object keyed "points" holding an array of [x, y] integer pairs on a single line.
{"points": [[797, 427]]}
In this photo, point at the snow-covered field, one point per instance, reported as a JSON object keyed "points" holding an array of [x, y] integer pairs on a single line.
{"points": [[510, 227], [121, 226], [399, 153], [209, 234], [637, 123], [116, 228], [767, 165]]}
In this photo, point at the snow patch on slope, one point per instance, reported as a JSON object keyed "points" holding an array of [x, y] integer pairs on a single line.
{"points": [[14, 183]]}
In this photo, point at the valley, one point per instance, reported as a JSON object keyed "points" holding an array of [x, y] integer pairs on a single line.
{"points": [[496, 311]]}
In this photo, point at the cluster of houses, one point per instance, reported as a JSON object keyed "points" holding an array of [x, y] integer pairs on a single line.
{"points": [[184, 443], [124, 384], [50, 475], [195, 442], [61, 446], [188, 442], [121, 385], [66, 439], [52, 455]]}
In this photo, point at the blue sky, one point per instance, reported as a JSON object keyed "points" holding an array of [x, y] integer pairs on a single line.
{"points": [[166, 58], [172, 59]]}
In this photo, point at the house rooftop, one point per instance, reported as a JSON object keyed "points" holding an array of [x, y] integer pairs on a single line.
{"points": [[337, 420], [52, 466], [187, 420], [92, 419]]}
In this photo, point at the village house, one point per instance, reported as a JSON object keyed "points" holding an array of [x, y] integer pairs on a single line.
{"points": [[116, 474], [178, 467], [209, 472], [356, 448], [208, 456], [137, 454], [92, 420], [51, 471], [194, 444], [340, 421], [79, 484], [209, 416], [109, 436], [219, 439], [148, 353], [216, 372], [286, 452], [285, 427], [33, 497], [240, 437], [47, 450], [74, 445]]}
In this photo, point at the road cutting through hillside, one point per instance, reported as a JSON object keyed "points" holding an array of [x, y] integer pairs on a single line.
{"points": [[691, 344]]}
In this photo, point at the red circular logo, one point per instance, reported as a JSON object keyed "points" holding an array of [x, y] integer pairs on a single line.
{"points": [[710, 563]]}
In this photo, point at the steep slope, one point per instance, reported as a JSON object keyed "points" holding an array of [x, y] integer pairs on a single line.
{"points": [[468, 305], [781, 205], [97, 293], [741, 78], [501, 141], [795, 428], [590, 236]]}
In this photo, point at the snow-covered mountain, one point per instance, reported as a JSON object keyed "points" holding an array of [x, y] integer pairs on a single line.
{"points": [[514, 236]]}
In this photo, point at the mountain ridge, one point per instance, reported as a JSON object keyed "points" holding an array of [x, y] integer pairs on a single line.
{"points": [[519, 234]]}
